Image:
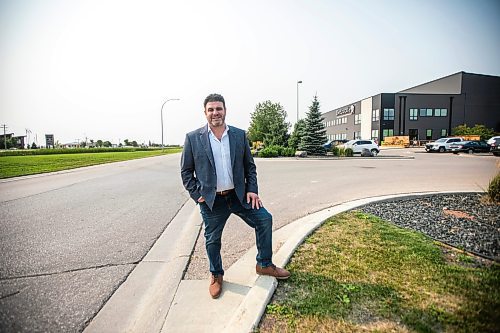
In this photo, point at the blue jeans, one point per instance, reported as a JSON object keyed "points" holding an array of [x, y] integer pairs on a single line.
{"points": [[215, 220]]}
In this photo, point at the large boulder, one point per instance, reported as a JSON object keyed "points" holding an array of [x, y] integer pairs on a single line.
{"points": [[300, 153], [366, 153]]}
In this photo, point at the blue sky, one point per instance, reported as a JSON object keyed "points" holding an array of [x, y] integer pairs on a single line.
{"points": [[102, 69]]}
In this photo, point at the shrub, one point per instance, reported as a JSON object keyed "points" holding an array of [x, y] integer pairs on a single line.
{"points": [[494, 188], [275, 151], [288, 152], [270, 151], [335, 150], [25, 152], [348, 152], [279, 149]]}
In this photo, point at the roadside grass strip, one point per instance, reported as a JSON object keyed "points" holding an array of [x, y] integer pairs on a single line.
{"points": [[14, 166], [358, 273]]}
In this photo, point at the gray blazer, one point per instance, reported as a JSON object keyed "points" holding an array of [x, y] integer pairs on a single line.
{"points": [[198, 167]]}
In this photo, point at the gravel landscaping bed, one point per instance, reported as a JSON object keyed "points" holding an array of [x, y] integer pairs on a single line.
{"points": [[461, 220]]}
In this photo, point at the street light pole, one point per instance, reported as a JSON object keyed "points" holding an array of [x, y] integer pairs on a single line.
{"points": [[170, 99], [298, 100]]}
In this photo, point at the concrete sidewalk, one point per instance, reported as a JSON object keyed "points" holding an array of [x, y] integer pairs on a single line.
{"points": [[154, 298]]}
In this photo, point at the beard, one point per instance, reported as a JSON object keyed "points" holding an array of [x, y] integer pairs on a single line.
{"points": [[216, 122]]}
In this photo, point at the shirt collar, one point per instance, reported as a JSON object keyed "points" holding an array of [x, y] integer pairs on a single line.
{"points": [[212, 133]]}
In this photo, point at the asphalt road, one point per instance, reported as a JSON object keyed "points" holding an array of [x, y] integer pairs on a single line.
{"points": [[68, 240]]}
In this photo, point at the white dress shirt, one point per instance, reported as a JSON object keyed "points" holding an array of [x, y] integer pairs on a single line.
{"points": [[222, 159]]}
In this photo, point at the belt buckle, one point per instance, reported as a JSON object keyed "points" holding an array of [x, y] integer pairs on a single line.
{"points": [[223, 193]]}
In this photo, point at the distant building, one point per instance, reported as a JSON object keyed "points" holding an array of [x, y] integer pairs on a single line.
{"points": [[70, 145], [17, 141], [426, 112]]}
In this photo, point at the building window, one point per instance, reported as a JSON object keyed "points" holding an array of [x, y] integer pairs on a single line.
{"points": [[388, 114], [425, 112], [387, 132], [357, 119], [440, 112], [444, 133], [357, 135], [428, 134], [413, 114], [375, 134], [344, 120], [375, 115]]}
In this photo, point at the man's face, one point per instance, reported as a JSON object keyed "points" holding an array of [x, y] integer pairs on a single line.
{"points": [[216, 114]]}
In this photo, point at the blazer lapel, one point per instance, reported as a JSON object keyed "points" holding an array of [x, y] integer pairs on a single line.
{"points": [[205, 141], [232, 144]]}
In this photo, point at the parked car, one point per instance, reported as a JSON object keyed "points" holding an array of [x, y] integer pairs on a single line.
{"points": [[495, 147], [441, 145], [474, 146], [492, 140], [357, 146], [328, 145]]}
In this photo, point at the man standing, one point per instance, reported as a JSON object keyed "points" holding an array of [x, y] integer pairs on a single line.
{"points": [[219, 173]]}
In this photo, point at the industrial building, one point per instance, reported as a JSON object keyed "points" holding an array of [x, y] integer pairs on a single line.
{"points": [[426, 112]]}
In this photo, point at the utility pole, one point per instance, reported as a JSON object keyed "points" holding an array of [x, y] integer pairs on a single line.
{"points": [[298, 100], [4, 136], [28, 132]]}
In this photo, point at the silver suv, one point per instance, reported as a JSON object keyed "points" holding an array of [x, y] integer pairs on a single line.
{"points": [[441, 145], [357, 146]]}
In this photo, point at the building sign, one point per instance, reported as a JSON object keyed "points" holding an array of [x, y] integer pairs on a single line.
{"points": [[346, 111], [49, 140]]}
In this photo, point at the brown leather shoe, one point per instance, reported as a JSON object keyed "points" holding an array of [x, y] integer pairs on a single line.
{"points": [[215, 285], [272, 270]]}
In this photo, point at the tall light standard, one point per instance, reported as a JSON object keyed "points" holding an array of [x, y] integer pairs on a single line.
{"points": [[298, 100], [170, 99]]}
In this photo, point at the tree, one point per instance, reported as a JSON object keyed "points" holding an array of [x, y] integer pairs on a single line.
{"points": [[268, 124], [107, 144], [10, 142], [481, 130], [297, 134], [99, 143], [314, 133], [126, 142]]}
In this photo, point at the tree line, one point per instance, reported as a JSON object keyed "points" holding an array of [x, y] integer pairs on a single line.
{"points": [[268, 125]]}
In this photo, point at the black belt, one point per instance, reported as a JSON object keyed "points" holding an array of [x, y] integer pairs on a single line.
{"points": [[224, 193]]}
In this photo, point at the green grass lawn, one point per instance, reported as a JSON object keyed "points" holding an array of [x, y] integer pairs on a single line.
{"points": [[13, 166], [358, 273]]}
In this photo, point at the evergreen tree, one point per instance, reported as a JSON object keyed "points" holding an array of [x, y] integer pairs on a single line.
{"points": [[297, 134], [314, 133]]}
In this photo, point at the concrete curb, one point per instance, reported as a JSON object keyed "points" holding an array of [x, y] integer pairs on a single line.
{"points": [[142, 302], [247, 317]]}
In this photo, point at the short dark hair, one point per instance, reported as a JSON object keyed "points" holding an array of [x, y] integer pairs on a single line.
{"points": [[214, 98]]}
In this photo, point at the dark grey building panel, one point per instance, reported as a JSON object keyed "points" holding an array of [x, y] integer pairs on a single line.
{"points": [[482, 100], [451, 84]]}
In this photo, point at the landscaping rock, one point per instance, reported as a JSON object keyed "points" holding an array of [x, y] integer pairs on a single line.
{"points": [[366, 153], [300, 153], [461, 220]]}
